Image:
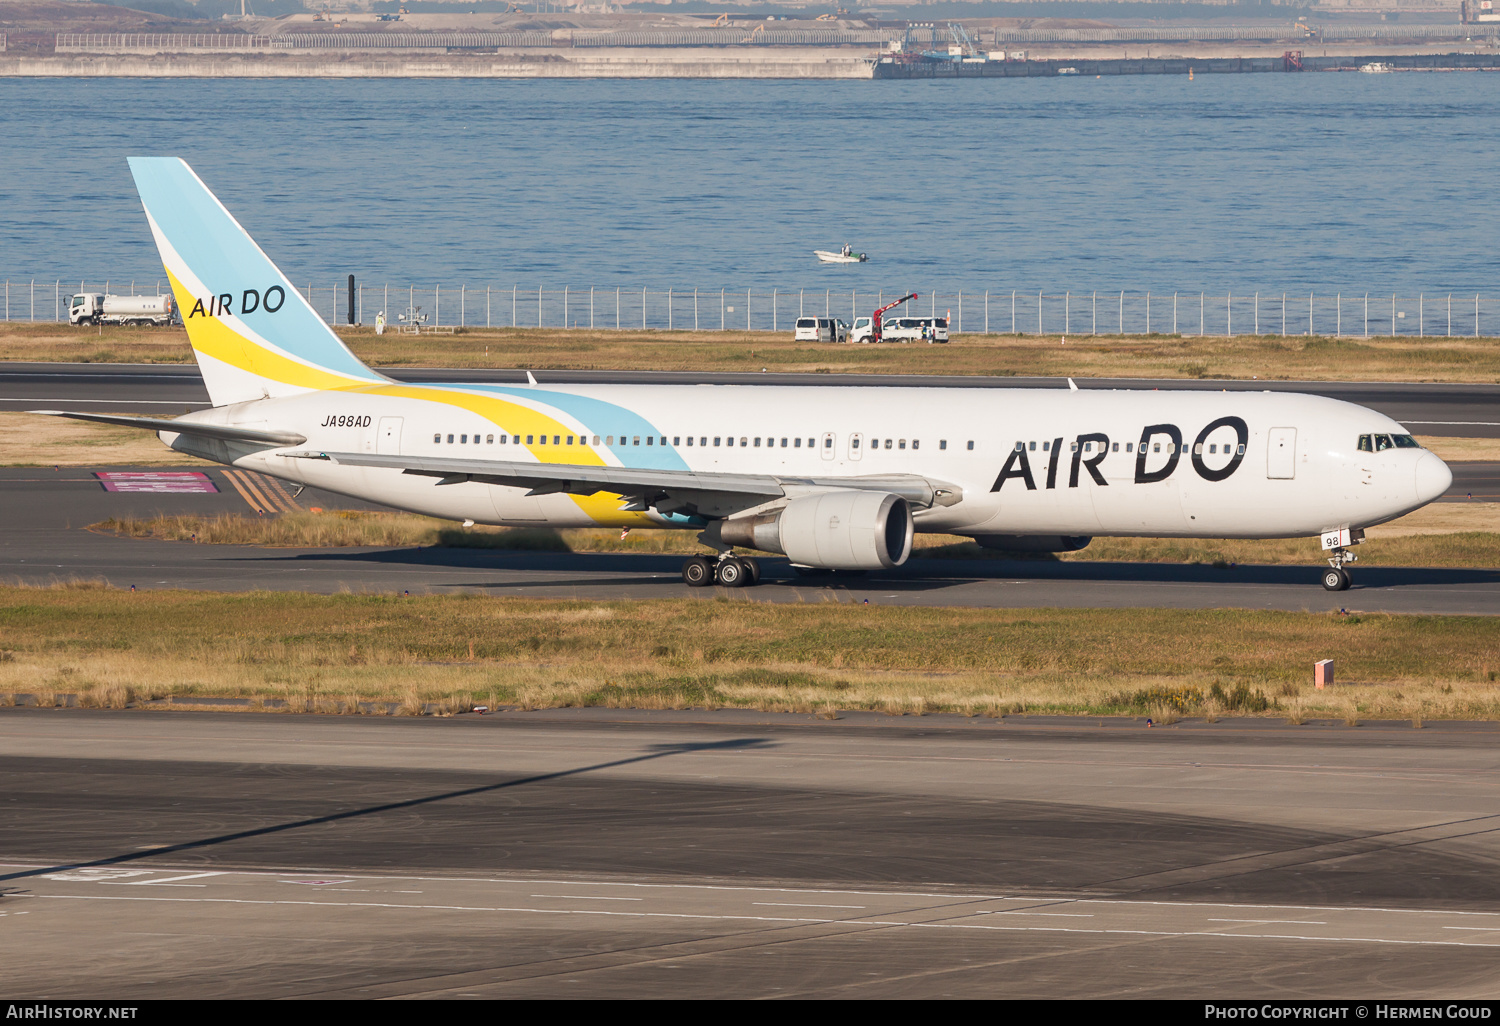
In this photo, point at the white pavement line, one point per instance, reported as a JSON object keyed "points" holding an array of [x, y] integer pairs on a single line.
{"points": [[803, 904], [586, 897], [1457, 423], [777, 919], [1264, 922], [171, 880], [1018, 912]]}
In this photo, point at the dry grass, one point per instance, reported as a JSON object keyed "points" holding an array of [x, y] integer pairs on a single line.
{"points": [[1463, 450], [329, 653], [1159, 356], [1445, 535]]}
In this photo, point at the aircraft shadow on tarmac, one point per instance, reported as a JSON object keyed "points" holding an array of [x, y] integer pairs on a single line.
{"points": [[916, 575], [652, 752]]}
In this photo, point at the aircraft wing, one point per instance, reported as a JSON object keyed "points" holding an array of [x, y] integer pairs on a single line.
{"points": [[668, 491], [184, 427]]}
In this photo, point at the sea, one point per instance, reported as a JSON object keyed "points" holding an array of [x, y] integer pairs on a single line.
{"points": [[1255, 182]]}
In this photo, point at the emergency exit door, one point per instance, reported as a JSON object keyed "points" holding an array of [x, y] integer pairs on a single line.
{"points": [[388, 441], [1281, 453]]}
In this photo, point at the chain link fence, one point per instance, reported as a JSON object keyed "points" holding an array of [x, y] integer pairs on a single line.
{"points": [[1017, 312]]}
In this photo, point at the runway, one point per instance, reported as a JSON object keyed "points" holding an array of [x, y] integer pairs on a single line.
{"points": [[45, 512], [598, 853], [1460, 410]]}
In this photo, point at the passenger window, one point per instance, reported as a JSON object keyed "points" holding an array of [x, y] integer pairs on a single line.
{"points": [[609, 439], [757, 441], [1046, 447], [942, 443], [1365, 445], [690, 439], [1213, 449], [1020, 446], [812, 443], [649, 439], [663, 439], [704, 440], [450, 439], [1156, 447], [1072, 446], [1033, 446], [502, 439], [716, 440], [887, 443], [488, 439], [916, 443], [676, 440], [797, 446], [729, 440], [570, 439], [530, 439], [437, 439], [556, 440], [463, 439], [971, 444], [637, 440], [901, 444], [1129, 446], [596, 439], [1239, 450], [742, 443], [783, 443], [854, 442], [1116, 447]]}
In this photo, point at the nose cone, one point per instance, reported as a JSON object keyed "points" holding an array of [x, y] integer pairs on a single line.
{"points": [[1433, 477]]}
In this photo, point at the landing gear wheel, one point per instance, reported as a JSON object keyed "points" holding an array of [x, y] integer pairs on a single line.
{"points": [[1336, 579], [732, 573], [698, 572], [752, 571]]}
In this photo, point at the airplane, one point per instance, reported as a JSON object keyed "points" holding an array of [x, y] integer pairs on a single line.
{"points": [[835, 478]]}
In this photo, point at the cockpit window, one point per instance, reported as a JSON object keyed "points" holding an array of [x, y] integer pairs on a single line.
{"points": [[1406, 442], [1383, 442], [1365, 445]]}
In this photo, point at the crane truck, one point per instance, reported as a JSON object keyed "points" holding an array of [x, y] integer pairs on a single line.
{"points": [[870, 329], [98, 308]]}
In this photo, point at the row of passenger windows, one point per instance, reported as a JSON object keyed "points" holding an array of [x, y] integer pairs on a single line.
{"points": [[745, 441], [1213, 447]]}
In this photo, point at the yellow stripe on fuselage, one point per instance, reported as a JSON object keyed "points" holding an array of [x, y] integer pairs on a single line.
{"points": [[517, 419]]}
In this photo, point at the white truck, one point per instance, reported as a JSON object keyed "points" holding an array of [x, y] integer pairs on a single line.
{"points": [[98, 308]]}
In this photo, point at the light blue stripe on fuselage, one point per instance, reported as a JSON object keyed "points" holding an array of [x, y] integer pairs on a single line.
{"points": [[598, 418]]}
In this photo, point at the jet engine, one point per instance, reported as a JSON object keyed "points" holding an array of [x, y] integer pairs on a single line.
{"points": [[839, 530]]}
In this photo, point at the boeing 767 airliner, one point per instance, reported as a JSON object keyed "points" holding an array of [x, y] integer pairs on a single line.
{"points": [[833, 477]]}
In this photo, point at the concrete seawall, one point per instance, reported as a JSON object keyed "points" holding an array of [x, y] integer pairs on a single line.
{"points": [[787, 64]]}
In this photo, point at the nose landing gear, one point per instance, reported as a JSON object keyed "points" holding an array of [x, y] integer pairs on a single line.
{"points": [[729, 571], [1336, 578]]}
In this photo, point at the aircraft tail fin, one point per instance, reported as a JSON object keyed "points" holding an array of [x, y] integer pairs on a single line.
{"points": [[254, 335]]}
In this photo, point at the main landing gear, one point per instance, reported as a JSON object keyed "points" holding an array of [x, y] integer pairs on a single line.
{"points": [[728, 570], [1336, 578]]}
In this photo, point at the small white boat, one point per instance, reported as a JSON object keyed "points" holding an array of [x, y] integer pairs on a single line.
{"points": [[840, 258], [1067, 71], [1377, 68]]}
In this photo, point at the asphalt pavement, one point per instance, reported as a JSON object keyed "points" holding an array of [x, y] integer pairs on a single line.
{"points": [[1460, 410], [604, 853]]}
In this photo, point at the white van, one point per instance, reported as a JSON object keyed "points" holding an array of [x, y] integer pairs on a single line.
{"points": [[915, 329], [821, 329]]}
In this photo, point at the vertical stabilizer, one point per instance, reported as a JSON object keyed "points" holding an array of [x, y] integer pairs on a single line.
{"points": [[253, 333]]}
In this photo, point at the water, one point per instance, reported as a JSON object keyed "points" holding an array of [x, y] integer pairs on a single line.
{"points": [[1325, 182]]}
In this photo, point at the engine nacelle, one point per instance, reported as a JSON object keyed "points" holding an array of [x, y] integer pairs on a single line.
{"points": [[1033, 542], [839, 530]]}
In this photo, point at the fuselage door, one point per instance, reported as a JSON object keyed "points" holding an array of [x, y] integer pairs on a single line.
{"points": [[1281, 453], [388, 442]]}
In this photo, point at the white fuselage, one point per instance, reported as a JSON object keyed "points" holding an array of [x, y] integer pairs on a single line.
{"points": [[1277, 464]]}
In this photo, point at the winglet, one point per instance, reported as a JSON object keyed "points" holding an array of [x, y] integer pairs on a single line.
{"points": [[531, 379], [1071, 385]]}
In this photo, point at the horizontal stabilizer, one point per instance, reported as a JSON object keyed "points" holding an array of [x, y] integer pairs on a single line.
{"points": [[227, 432]]}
